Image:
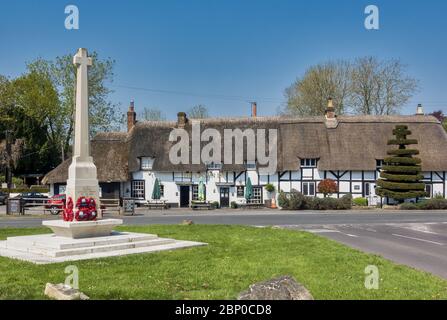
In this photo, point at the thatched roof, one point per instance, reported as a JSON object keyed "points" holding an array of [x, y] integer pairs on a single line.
{"points": [[109, 152], [354, 143]]}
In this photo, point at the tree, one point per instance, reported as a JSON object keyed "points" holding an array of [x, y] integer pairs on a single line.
{"points": [[104, 115], [153, 114], [380, 87], [366, 86], [198, 112], [327, 187], [308, 95], [401, 176], [441, 117]]}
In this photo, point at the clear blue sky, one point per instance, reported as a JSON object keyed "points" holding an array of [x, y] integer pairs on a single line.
{"points": [[219, 49]]}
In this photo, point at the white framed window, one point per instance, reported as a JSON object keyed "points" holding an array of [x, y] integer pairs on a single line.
{"points": [[257, 195], [146, 163], [250, 165], [367, 189], [138, 189], [195, 192], [379, 163], [309, 163], [309, 189], [162, 191]]}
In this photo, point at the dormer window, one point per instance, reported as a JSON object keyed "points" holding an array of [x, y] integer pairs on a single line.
{"points": [[379, 163], [214, 166], [250, 165], [308, 163], [146, 163]]}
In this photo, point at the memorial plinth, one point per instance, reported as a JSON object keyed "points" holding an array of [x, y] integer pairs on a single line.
{"points": [[82, 229]]}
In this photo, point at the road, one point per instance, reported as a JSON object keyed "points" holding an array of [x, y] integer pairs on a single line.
{"points": [[417, 239]]}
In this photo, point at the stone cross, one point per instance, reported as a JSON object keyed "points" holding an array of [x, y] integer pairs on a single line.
{"points": [[82, 174], [82, 140]]}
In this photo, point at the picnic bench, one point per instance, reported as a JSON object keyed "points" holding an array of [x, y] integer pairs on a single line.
{"points": [[252, 205], [201, 205], [156, 205]]}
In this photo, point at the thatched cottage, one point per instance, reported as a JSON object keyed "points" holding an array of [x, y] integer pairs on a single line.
{"points": [[347, 149]]}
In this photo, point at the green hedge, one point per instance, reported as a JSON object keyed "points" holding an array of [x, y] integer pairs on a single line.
{"points": [[361, 202], [297, 201], [431, 204]]}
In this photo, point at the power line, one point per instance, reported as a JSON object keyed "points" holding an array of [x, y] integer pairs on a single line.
{"points": [[194, 94]]}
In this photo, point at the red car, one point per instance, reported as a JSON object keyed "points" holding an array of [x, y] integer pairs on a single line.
{"points": [[56, 204]]}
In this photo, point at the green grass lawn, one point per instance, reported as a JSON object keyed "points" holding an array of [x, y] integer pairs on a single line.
{"points": [[235, 258]]}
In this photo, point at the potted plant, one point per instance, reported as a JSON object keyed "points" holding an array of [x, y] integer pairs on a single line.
{"points": [[270, 188]]}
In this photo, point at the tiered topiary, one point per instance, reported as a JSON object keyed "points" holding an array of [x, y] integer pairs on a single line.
{"points": [[401, 177]]}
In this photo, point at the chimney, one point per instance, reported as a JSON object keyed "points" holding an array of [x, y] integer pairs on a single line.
{"points": [[181, 120], [254, 109], [330, 111], [131, 116], [420, 110]]}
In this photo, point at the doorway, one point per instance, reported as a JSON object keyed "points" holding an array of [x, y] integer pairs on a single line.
{"points": [[224, 197], [184, 196]]}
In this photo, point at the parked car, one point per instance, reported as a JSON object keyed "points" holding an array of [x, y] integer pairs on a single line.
{"points": [[3, 197], [56, 204], [32, 197]]}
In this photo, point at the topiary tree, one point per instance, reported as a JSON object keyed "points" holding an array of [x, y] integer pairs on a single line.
{"points": [[327, 186], [401, 176]]}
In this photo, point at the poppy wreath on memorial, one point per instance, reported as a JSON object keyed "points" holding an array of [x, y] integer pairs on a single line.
{"points": [[68, 210], [86, 209]]}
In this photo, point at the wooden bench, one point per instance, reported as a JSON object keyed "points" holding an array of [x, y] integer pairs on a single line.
{"points": [[159, 205], [201, 205], [252, 205]]}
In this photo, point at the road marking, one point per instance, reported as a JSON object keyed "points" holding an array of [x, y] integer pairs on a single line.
{"points": [[417, 239], [322, 231], [350, 235]]}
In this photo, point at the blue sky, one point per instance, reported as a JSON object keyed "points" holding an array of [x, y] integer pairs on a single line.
{"points": [[227, 53]]}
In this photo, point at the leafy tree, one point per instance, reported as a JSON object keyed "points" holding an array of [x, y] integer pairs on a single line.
{"points": [[308, 95], [401, 176], [104, 115], [380, 87], [153, 114], [327, 187], [366, 85], [198, 112]]}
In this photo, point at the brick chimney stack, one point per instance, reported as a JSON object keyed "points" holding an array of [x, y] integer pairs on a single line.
{"points": [[330, 111], [254, 109], [181, 120], [131, 116]]}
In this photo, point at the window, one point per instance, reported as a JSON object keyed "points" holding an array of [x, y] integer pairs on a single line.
{"points": [[138, 189], [240, 192], [379, 164], [214, 166], [308, 163], [257, 195], [250, 165], [429, 190], [309, 189], [195, 192], [162, 191], [146, 163], [182, 177]]}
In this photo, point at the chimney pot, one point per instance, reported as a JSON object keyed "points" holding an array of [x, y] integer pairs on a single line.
{"points": [[420, 110], [330, 111]]}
